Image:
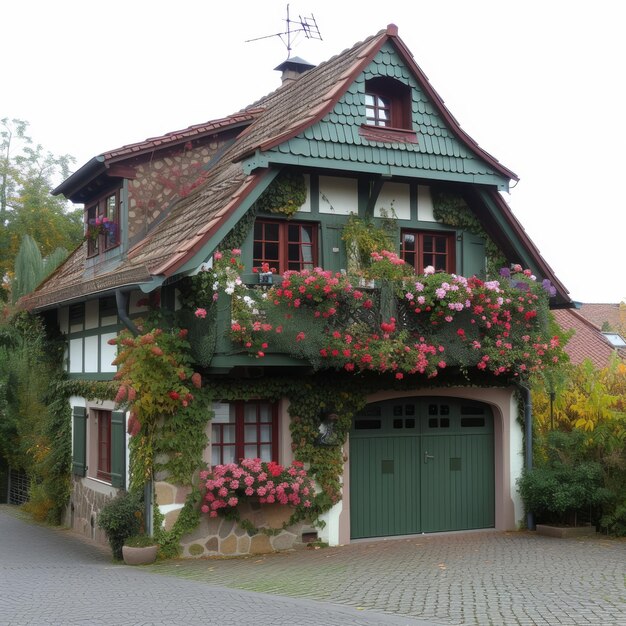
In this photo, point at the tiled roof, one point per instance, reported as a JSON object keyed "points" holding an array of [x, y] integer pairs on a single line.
{"points": [[587, 341], [194, 220], [599, 314]]}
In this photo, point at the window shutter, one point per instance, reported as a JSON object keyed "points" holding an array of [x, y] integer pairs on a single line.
{"points": [[79, 448], [118, 449], [473, 255]]}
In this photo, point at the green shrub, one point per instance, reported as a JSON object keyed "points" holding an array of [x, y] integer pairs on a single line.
{"points": [[121, 518], [559, 493]]}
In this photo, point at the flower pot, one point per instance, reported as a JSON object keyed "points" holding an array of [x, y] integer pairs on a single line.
{"points": [[139, 556]]}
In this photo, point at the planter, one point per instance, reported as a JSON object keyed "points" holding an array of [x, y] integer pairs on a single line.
{"points": [[139, 556], [566, 531]]}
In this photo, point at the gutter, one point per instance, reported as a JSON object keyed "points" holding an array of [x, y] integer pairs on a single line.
{"points": [[121, 300], [528, 442]]}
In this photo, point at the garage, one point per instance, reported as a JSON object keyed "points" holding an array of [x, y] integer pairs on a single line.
{"points": [[421, 465]]}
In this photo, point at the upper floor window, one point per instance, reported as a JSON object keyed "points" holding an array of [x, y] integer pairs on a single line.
{"points": [[103, 223], [422, 248], [285, 245], [388, 103], [248, 430]]}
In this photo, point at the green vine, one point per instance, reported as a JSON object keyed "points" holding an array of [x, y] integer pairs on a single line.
{"points": [[451, 209], [362, 236], [285, 195]]}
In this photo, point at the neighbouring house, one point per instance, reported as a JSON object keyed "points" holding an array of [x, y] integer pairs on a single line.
{"points": [[362, 141], [591, 339]]}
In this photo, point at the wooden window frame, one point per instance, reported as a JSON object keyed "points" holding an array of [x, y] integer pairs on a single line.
{"points": [[282, 263], [397, 96], [418, 261], [100, 208], [240, 424]]}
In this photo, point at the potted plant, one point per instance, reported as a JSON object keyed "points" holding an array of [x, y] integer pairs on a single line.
{"points": [[140, 549]]}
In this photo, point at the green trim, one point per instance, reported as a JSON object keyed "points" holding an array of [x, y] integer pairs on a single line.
{"points": [[118, 449], [79, 446]]}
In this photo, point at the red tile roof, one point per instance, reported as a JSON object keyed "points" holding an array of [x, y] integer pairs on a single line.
{"points": [[587, 341]]}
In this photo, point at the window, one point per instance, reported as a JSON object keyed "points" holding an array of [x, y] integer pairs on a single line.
{"points": [[245, 430], [285, 245], [388, 103], [103, 219], [99, 445], [421, 249]]}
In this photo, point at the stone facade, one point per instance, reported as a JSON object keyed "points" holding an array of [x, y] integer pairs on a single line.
{"points": [[164, 179], [219, 536], [83, 509], [222, 537]]}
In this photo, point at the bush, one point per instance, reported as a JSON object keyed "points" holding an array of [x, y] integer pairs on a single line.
{"points": [[121, 518], [559, 493]]}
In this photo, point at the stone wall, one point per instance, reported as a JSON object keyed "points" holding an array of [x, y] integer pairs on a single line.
{"points": [[222, 537], [163, 179], [82, 511]]}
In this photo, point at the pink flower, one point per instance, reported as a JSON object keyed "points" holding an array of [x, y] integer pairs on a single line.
{"points": [[201, 313]]}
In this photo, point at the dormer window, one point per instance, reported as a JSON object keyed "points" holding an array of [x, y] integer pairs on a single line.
{"points": [[102, 218], [388, 111], [388, 103]]}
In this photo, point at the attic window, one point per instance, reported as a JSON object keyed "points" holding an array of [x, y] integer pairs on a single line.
{"points": [[387, 104], [616, 340]]}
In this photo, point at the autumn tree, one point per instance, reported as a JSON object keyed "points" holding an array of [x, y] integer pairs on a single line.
{"points": [[28, 173]]}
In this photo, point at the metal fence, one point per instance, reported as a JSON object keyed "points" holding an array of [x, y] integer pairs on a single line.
{"points": [[18, 486]]}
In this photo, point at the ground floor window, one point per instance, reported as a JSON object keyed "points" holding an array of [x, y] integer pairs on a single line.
{"points": [[244, 430]]}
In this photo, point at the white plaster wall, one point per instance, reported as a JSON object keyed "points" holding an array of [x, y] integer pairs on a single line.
{"points": [[108, 320], [396, 197], [338, 196], [76, 356], [91, 353], [330, 532], [107, 353], [425, 205], [517, 462], [132, 305], [92, 314]]}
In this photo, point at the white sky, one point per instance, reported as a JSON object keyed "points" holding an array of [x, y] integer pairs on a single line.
{"points": [[538, 84]]}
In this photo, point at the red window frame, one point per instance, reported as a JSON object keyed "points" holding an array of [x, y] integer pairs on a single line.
{"points": [[285, 245], [428, 248], [104, 445], [106, 206], [249, 441]]}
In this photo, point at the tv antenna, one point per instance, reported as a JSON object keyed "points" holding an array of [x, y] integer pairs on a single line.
{"points": [[306, 25]]}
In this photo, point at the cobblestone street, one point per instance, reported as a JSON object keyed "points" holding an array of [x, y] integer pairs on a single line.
{"points": [[50, 576]]}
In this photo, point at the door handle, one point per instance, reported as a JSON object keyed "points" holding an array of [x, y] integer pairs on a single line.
{"points": [[427, 456]]}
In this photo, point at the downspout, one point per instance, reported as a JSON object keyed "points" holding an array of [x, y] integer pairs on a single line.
{"points": [[528, 443], [121, 300]]}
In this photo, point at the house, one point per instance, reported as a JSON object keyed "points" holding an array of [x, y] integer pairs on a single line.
{"points": [[589, 341], [364, 133]]}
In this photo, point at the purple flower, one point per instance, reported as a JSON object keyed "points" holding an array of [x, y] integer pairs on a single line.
{"points": [[505, 272], [549, 287]]}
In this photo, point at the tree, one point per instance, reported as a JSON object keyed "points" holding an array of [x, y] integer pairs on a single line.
{"points": [[28, 173], [31, 268]]}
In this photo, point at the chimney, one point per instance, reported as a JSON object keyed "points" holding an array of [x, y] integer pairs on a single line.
{"points": [[292, 68]]}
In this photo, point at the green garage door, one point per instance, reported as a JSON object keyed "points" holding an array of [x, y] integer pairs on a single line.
{"points": [[421, 465]]}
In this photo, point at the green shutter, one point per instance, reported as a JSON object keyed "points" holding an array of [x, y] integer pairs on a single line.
{"points": [[118, 449], [79, 447], [473, 256]]}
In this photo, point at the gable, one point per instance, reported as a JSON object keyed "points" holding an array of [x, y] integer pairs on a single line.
{"points": [[342, 140]]}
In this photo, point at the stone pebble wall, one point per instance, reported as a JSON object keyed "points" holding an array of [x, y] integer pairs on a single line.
{"points": [[161, 181], [82, 512], [221, 537]]}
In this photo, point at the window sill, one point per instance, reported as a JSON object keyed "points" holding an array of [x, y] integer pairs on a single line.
{"points": [[386, 134]]}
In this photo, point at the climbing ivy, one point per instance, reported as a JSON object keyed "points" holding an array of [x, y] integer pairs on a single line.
{"points": [[450, 208], [285, 195]]}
